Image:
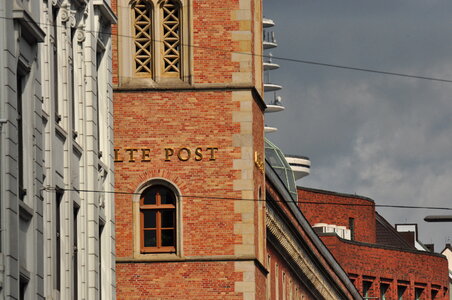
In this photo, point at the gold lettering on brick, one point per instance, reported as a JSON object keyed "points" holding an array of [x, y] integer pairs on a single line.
{"points": [[184, 157], [212, 152], [168, 153], [198, 154], [131, 152], [117, 159], [182, 154], [145, 155]]}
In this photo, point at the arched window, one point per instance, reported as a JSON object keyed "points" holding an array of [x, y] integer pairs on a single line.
{"points": [[171, 38], [142, 36], [158, 219]]}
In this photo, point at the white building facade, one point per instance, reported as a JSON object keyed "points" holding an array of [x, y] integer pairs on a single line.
{"points": [[56, 151]]}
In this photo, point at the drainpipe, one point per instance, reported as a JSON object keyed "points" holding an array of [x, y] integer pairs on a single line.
{"points": [[2, 121], [2, 267]]}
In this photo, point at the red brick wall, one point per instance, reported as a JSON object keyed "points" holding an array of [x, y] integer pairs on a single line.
{"points": [[160, 120], [183, 280], [114, 44], [334, 208], [416, 268], [212, 43], [258, 146], [192, 116], [309, 246], [292, 283]]}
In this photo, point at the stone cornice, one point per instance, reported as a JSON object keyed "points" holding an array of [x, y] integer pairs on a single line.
{"points": [[301, 261], [168, 258]]}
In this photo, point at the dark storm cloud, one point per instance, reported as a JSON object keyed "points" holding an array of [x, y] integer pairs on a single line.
{"points": [[381, 136]]}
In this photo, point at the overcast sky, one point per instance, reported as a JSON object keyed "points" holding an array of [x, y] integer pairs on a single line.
{"points": [[384, 137]]}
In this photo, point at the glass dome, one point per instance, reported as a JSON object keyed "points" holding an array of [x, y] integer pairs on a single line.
{"points": [[276, 159]]}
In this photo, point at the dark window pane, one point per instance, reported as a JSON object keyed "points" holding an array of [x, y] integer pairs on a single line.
{"points": [[167, 219], [167, 197], [149, 196], [150, 238], [149, 219], [168, 237]]}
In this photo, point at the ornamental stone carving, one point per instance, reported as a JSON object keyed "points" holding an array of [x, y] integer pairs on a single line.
{"points": [[72, 21], [81, 35], [57, 3], [64, 13]]}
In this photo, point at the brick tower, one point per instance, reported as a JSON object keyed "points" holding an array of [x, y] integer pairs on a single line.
{"points": [[188, 114]]}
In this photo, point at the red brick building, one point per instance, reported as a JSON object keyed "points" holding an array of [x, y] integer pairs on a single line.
{"points": [[299, 265], [191, 216], [380, 261], [188, 123]]}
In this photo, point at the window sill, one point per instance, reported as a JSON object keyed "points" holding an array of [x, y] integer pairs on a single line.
{"points": [[25, 211], [31, 30], [128, 83], [157, 257]]}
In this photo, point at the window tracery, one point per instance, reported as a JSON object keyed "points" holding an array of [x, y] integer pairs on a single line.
{"points": [[157, 31], [142, 27], [171, 37]]}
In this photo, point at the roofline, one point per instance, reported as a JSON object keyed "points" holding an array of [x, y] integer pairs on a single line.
{"points": [[285, 194], [387, 247], [319, 191], [446, 248]]}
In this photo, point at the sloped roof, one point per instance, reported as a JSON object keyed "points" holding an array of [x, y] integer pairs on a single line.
{"points": [[387, 235]]}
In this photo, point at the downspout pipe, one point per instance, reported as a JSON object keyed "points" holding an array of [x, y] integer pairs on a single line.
{"points": [[3, 120]]}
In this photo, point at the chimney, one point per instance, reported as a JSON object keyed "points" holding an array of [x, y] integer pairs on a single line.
{"points": [[409, 237]]}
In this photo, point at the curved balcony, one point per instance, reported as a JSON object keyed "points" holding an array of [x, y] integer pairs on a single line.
{"points": [[269, 45], [274, 108], [268, 129], [268, 66], [301, 165], [271, 87], [267, 23]]}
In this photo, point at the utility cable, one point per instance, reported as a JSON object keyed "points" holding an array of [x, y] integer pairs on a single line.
{"points": [[258, 200], [302, 61]]}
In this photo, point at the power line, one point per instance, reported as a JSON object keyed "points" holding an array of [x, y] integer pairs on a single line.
{"points": [[302, 61], [258, 200], [361, 69]]}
